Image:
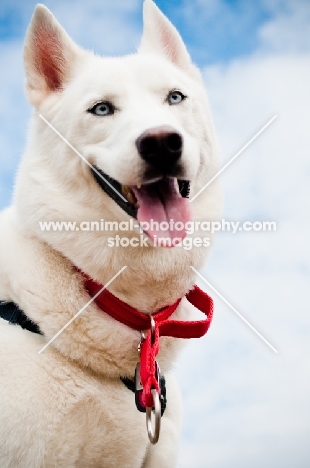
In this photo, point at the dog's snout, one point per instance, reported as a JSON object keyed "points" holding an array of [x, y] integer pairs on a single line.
{"points": [[161, 147]]}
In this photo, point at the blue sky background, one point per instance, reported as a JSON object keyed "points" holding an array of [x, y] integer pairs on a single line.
{"points": [[227, 28], [244, 405]]}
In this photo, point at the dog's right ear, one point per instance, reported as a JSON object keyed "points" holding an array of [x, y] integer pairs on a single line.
{"points": [[49, 56]]}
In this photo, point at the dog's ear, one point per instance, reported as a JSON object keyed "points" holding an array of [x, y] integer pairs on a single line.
{"points": [[49, 56], [161, 37]]}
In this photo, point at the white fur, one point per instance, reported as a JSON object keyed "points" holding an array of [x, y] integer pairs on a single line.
{"points": [[67, 407]]}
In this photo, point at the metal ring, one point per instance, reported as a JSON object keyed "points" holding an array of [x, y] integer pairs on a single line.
{"points": [[154, 436]]}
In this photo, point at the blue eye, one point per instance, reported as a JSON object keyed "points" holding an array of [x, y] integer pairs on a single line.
{"points": [[102, 109], [175, 97]]}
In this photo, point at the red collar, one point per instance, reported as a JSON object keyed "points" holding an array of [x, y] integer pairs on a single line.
{"points": [[136, 320]]}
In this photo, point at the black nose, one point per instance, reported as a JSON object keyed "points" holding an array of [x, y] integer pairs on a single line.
{"points": [[161, 147]]}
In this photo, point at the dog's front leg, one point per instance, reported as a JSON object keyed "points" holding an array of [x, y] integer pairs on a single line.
{"points": [[164, 453]]}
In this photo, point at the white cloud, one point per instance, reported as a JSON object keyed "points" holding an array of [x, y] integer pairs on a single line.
{"points": [[244, 405], [289, 31], [14, 111], [244, 96], [110, 28]]}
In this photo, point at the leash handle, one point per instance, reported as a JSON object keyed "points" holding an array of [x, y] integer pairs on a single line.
{"points": [[176, 328]]}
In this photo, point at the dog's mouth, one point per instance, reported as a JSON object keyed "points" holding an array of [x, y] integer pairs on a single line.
{"points": [[162, 208]]}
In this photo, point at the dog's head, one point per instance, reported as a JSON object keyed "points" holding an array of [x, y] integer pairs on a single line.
{"points": [[135, 128]]}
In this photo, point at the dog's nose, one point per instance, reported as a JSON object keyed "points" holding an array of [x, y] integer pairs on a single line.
{"points": [[161, 147]]}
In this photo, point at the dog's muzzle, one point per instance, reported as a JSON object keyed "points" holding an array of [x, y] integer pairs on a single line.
{"points": [[162, 198]]}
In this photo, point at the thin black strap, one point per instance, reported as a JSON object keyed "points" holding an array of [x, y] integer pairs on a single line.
{"points": [[12, 313], [130, 384]]}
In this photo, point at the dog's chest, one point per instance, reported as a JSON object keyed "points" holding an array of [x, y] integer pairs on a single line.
{"points": [[102, 429], [59, 415]]}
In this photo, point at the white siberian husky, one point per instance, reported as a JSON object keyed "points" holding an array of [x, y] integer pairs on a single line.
{"points": [[142, 123]]}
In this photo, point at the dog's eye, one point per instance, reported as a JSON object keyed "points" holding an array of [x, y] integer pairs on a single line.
{"points": [[175, 97], [102, 108]]}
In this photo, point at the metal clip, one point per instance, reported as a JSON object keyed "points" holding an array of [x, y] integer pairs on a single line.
{"points": [[152, 434], [141, 341], [153, 327]]}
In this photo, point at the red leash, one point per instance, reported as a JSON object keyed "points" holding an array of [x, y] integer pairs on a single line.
{"points": [[136, 320]]}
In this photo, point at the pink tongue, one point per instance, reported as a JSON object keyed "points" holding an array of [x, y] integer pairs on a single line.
{"points": [[162, 212]]}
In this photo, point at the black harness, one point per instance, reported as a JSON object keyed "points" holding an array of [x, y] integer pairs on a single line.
{"points": [[13, 314]]}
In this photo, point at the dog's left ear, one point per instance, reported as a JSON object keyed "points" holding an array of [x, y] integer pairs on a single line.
{"points": [[161, 37]]}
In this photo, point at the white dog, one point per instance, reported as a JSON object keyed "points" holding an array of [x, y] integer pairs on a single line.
{"points": [[134, 137]]}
